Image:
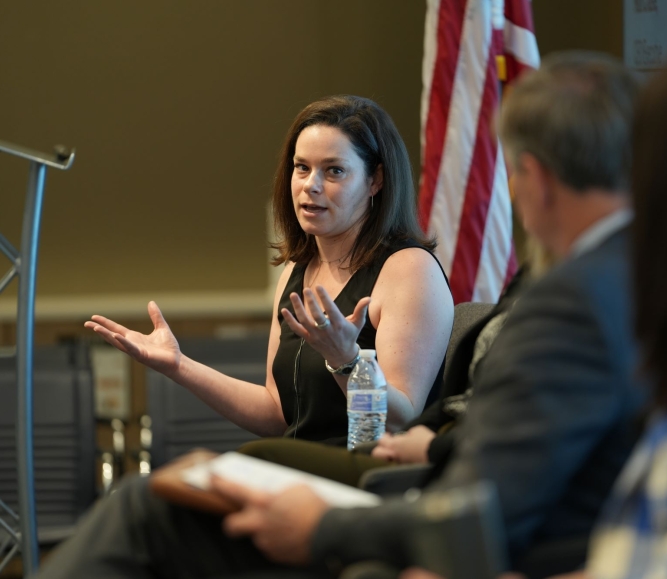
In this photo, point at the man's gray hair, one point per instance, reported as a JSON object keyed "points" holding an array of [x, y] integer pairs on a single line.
{"points": [[574, 115]]}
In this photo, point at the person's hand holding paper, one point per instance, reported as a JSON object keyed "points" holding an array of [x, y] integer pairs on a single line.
{"points": [[279, 508], [280, 525]]}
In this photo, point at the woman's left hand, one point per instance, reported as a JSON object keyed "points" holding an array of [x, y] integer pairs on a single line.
{"points": [[410, 447], [335, 339]]}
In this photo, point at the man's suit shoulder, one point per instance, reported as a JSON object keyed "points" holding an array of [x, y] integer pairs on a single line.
{"points": [[594, 270], [595, 284], [553, 397]]}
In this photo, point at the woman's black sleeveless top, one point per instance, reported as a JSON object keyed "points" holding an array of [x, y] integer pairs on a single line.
{"points": [[313, 404]]}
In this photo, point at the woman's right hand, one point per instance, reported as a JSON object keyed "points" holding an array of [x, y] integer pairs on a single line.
{"points": [[159, 350]]}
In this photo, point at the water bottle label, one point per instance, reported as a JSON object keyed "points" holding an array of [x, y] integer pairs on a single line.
{"points": [[367, 401]]}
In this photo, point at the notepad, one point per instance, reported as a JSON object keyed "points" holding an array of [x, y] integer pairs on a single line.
{"points": [[274, 478]]}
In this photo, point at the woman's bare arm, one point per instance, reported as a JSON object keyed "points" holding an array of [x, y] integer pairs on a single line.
{"points": [[251, 406], [413, 312]]}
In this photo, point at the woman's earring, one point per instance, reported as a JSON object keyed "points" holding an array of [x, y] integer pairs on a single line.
{"points": [[372, 201]]}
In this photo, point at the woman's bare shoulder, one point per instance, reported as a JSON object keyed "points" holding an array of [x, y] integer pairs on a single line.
{"points": [[411, 277], [412, 264]]}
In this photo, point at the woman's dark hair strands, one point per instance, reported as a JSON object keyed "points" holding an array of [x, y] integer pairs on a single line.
{"points": [[393, 214]]}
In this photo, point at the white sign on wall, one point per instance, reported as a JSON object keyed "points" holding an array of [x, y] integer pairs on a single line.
{"points": [[645, 34], [111, 369]]}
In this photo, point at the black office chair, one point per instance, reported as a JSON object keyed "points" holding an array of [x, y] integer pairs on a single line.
{"points": [[179, 421], [397, 479]]}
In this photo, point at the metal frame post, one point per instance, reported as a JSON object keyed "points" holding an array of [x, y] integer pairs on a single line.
{"points": [[25, 325], [24, 264]]}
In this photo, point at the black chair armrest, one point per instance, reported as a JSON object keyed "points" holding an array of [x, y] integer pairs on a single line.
{"points": [[370, 570], [391, 480]]}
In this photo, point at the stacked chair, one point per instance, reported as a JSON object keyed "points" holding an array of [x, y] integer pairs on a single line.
{"points": [[64, 443], [179, 421]]}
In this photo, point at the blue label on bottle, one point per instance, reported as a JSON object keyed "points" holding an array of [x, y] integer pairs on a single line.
{"points": [[361, 402], [367, 401]]}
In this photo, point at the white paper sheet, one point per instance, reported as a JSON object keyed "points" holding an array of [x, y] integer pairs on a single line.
{"points": [[267, 476]]}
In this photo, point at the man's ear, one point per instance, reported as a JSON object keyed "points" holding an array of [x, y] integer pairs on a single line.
{"points": [[378, 180]]}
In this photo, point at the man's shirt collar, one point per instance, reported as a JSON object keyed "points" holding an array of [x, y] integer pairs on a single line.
{"points": [[600, 231]]}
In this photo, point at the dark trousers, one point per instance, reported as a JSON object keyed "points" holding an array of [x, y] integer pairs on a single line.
{"points": [[134, 534], [330, 462]]}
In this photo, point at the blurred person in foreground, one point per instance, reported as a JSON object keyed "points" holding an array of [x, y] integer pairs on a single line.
{"points": [[551, 418], [630, 539]]}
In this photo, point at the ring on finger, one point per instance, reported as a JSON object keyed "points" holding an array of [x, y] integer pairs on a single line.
{"points": [[325, 324]]}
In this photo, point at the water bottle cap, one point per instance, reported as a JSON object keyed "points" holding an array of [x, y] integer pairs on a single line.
{"points": [[367, 354]]}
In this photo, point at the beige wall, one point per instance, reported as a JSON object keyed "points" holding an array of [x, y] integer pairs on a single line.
{"points": [[579, 24], [177, 110]]}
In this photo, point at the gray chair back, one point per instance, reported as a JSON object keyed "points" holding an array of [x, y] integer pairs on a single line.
{"points": [[180, 421], [63, 437], [466, 315]]}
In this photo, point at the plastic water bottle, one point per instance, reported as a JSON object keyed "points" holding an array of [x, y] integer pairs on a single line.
{"points": [[366, 401]]}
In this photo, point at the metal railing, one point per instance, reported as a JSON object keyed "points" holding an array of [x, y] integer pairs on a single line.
{"points": [[24, 265]]}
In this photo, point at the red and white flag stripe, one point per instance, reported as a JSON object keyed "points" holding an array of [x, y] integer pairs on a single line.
{"points": [[464, 194], [520, 44]]}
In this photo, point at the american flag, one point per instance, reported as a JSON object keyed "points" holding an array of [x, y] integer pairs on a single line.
{"points": [[464, 193]]}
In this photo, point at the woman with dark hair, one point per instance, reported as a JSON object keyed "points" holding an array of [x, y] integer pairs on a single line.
{"points": [[358, 274]]}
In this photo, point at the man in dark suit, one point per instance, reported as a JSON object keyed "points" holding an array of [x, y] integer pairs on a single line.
{"points": [[550, 420]]}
